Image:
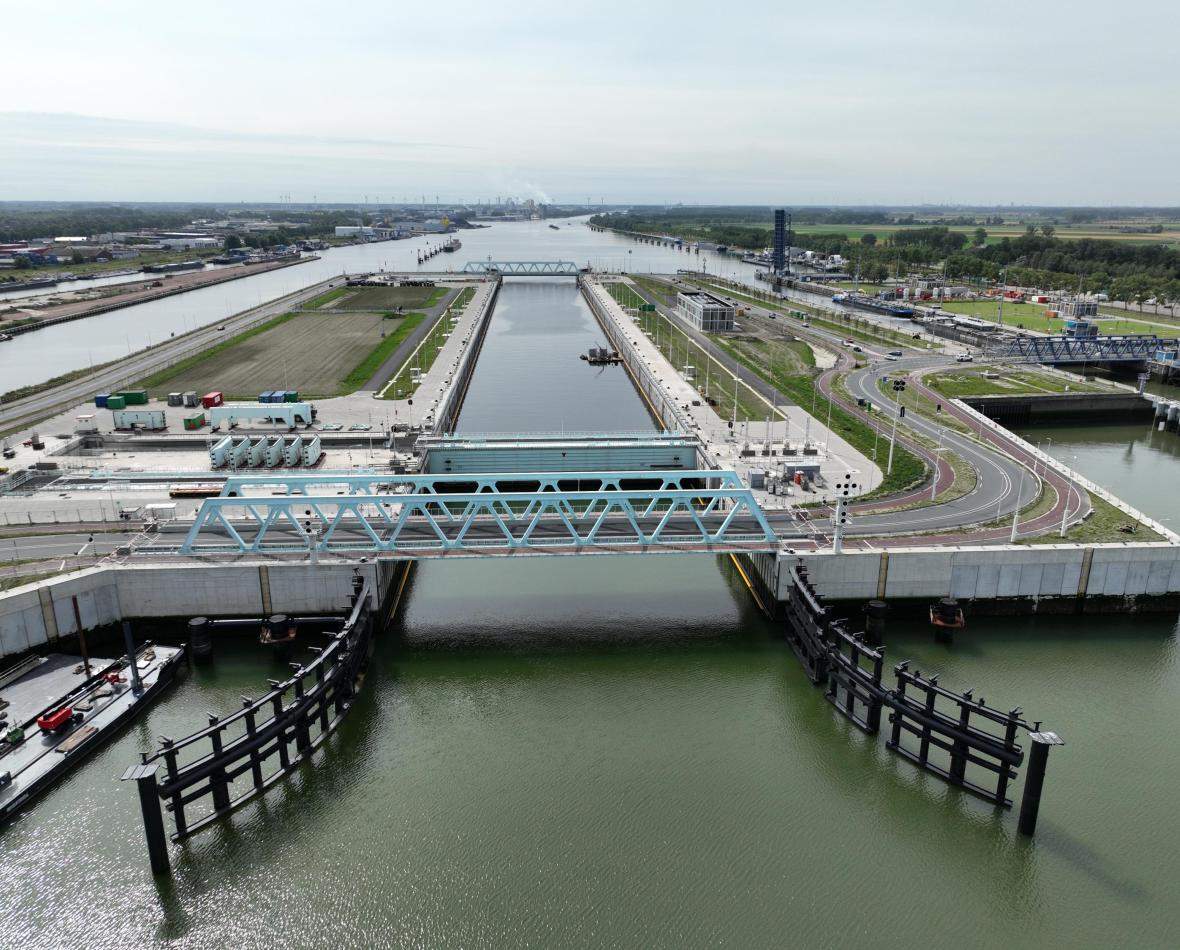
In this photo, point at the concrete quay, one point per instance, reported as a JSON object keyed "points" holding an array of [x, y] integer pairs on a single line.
{"points": [[743, 448]]}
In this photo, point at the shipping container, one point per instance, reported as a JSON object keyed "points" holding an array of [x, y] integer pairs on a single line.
{"points": [[176, 399], [194, 422], [291, 395], [265, 397], [116, 402], [101, 400], [151, 419], [191, 400], [209, 400], [134, 397]]}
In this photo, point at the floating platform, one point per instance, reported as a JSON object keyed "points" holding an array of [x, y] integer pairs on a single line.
{"points": [[57, 712]]}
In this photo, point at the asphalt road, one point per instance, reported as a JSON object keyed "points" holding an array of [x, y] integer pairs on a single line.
{"points": [[40, 405], [998, 461], [58, 545]]}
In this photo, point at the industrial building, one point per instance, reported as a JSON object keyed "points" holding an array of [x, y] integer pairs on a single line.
{"points": [[704, 311]]}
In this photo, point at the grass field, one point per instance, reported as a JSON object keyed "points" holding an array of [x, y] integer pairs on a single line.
{"points": [[1032, 317], [995, 233], [389, 298], [317, 354], [959, 383], [402, 384]]}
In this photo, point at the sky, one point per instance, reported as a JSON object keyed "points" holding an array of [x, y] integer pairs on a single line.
{"points": [[645, 101]]}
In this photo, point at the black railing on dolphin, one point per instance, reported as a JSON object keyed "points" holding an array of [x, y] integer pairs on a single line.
{"points": [[259, 744], [939, 730]]}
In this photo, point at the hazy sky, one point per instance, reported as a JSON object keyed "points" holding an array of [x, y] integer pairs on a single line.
{"points": [[858, 102]]}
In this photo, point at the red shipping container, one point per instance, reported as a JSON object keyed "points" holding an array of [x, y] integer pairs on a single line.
{"points": [[209, 400]]}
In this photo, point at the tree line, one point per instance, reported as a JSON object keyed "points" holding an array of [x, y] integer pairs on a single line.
{"points": [[1038, 258]]}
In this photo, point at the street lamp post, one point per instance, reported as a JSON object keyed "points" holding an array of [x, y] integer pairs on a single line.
{"points": [[1016, 510]]}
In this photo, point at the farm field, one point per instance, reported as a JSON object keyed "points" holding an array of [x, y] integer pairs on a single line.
{"points": [[389, 298], [314, 353]]}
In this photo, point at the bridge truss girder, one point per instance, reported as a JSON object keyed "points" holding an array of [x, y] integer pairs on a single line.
{"points": [[483, 523], [522, 268], [1057, 349]]}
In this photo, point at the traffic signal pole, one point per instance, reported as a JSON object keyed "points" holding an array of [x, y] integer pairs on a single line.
{"points": [[844, 488]]}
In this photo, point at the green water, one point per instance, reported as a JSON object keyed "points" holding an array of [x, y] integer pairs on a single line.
{"points": [[621, 752], [618, 752]]}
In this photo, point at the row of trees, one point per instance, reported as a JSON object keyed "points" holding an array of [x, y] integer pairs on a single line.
{"points": [[1123, 270]]}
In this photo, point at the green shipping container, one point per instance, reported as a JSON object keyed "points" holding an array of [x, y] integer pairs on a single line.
{"points": [[135, 397], [195, 421], [290, 396], [116, 402]]}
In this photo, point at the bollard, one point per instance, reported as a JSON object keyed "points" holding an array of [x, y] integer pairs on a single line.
{"points": [[875, 613], [1034, 781], [200, 638]]}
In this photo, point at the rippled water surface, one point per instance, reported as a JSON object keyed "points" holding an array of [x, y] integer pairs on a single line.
{"points": [[619, 751]]}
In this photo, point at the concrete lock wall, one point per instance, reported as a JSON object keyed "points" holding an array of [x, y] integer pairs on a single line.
{"points": [[37, 615], [993, 573]]}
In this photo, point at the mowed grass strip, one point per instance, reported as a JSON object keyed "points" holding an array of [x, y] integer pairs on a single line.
{"points": [[364, 371], [326, 298], [318, 354]]}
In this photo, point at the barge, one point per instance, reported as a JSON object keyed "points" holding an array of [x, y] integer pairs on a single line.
{"points": [[59, 709]]}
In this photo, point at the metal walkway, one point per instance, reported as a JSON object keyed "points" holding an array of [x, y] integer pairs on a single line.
{"points": [[479, 515], [1061, 349], [522, 268]]}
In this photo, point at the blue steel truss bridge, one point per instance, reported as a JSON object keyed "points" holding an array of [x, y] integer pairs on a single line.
{"points": [[1060, 349], [522, 268], [465, 515]]}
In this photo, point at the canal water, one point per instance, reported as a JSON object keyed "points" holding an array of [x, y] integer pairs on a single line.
{"points": [[34, 357], [620, 751]]}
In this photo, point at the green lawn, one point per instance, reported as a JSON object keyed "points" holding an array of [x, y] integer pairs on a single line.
{"points": [[402, 383], [1032, 317], [955, 384]]}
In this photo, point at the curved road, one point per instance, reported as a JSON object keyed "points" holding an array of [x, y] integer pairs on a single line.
{"points": [[1001, 464]]}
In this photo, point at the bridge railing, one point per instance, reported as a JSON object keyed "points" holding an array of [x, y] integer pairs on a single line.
{"points": [[448, 482]]}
